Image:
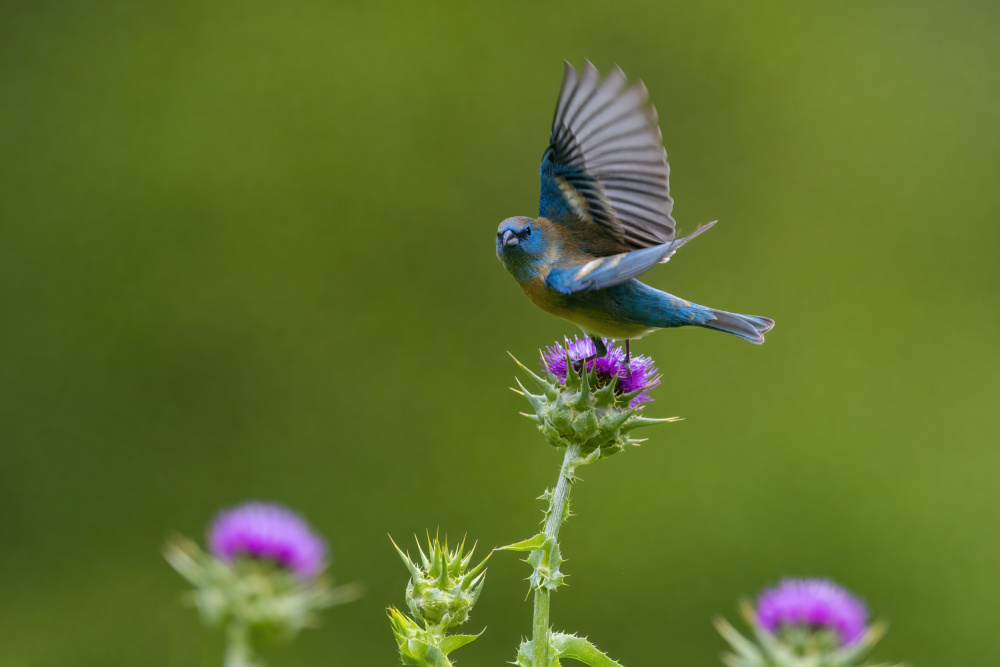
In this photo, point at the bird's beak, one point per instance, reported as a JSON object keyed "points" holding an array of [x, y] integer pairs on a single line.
{"points": [[510, 238]]}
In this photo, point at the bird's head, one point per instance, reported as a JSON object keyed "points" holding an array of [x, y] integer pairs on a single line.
{"points": [[520, 240]]}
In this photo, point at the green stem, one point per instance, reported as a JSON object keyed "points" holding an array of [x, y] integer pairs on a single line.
{"points": [[540, 640], [238, 650], [540, 629]]}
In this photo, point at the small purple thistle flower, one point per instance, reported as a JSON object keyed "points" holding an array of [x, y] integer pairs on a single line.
{"points": [[641, 372], [814, 602], [268, 530]]}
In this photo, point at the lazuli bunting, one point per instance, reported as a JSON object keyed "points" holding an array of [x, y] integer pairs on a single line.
{"points": [[604, 218]]}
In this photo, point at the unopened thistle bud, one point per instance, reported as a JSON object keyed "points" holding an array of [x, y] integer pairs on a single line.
{"points": [[442, 590]]}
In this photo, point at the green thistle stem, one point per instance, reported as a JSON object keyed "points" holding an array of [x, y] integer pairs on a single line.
{"points": [[540, 639], [238, 650], [540, 630]]}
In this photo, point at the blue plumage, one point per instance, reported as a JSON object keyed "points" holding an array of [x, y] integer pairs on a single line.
{"points": [[604, 219]]}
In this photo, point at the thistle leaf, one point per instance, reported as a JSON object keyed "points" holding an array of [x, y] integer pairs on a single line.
{"points": [[531, 544], [580, 649], [524, 654], [452, 642]]}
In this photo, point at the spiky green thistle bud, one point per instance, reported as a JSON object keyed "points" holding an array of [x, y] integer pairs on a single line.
{"points": [[442, 590], [581, 406]]}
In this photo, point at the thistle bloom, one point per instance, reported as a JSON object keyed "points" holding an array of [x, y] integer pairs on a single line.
{"points": [[818, 603], [639, 374], [268, 530]]}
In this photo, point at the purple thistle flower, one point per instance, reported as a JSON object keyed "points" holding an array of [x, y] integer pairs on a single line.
{"points": [[640, 373], [819, 603], [268, 530]]}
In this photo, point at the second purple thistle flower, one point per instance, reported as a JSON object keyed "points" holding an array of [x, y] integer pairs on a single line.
{"points": [[268, 531], [817, 603], [639, 373]]}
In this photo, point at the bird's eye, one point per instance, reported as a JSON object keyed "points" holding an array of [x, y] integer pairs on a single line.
{"points": [[527, 232]]}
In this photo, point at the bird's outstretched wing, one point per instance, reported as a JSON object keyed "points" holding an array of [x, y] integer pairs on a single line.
{"points": [[614, 269], [605, 162]]}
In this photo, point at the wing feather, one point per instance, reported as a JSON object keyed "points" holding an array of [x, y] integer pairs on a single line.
{"points": [[606, 145], [614, 269]]}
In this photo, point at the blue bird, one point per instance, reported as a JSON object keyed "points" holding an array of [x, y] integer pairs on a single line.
{"points": [[604, 219]]}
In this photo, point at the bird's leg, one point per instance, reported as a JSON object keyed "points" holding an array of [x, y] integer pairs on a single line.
{"points": [[628, 359]]}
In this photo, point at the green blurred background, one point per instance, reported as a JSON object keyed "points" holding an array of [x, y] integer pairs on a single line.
{"points": [[247, 252]]}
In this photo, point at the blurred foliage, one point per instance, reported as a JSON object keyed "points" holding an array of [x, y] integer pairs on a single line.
{"points": [[247, 252]]}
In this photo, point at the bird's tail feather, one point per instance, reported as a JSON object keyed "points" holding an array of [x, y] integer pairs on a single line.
{"points": [[748, 327]]}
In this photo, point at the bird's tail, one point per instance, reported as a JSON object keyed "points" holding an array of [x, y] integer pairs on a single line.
{"points": [[747, 327]]}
